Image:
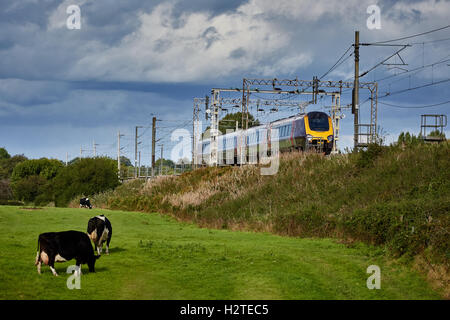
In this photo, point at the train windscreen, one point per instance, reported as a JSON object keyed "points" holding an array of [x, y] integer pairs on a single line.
{"points": [[318, 121]]}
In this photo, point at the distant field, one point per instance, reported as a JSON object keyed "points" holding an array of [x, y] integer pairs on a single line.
{"points": [[155, 257]]}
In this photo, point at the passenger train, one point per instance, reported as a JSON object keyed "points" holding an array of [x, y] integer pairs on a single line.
{"points": [[313, 130]]}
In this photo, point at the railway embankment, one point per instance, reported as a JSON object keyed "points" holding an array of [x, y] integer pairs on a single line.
{"points": [[396, 198]]}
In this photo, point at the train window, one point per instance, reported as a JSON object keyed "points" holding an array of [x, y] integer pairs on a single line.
{"points": [[318, 121]]}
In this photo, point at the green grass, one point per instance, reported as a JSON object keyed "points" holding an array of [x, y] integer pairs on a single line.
{"points": [[155, 257]]}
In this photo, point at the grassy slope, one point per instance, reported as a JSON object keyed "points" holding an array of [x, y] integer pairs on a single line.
{"points": [[155, 257], [387, 196]]}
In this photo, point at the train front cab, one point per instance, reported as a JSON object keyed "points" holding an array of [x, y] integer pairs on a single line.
{"points": [[319, 132]]}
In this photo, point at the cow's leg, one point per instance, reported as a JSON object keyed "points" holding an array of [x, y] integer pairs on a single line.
{"points": [[38, 262], [108, 241], [53, 270], [43, 257], [78, 269], [51, 264]]}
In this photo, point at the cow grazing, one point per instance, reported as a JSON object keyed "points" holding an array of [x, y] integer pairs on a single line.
{"points": [[99, 230], [85, 203], [64, 246]]}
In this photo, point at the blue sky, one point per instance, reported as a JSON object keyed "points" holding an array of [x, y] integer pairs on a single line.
{"points": [[62, 89]]}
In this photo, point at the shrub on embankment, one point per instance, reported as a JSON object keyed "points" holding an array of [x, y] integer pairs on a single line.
{"points": [[84, 177], [396, 196]]}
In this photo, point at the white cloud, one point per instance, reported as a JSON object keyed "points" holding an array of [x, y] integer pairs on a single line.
{"points": [[194, 46]]}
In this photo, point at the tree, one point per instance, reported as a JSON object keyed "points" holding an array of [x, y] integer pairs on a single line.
{"points": [[73, 160], [7, 165], [408, 139], [5, 190], [437, 133], [4, 154], [30, 179], [124, 161], [29, 188], [229, 122], [165, 163], [85, 177], [47, 168]]}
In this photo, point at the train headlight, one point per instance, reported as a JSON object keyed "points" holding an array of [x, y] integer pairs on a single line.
{"points": [[309, 137], [330, 138]]}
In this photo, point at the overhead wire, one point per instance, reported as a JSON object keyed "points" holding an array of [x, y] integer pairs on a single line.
{"points": [[412, 36], [414, 88], [415, 107]]}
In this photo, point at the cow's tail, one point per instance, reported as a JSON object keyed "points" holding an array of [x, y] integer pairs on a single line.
{"points": [[38, 256]]}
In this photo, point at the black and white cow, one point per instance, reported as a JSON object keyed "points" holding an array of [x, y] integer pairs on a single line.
{"points": [[99, 230], [64, 246], [85, 203]]}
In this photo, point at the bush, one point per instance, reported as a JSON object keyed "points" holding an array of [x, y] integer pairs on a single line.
{"points": [[86, 177], [7, 165], [367, 157], [46, 168], [31, 178], [5, 190], [4, 154], [406, 139], [28, 188]]}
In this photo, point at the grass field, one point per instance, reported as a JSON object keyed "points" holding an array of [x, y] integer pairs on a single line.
{"points": [[154, 257]]}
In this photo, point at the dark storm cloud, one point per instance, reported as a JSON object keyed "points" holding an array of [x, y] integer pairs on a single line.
{"points": [[215, 7], [26, 12], [29, 93], [169, 90], [92, 108]]}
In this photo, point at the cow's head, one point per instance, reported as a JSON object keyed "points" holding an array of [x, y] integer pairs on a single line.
{"points": [[91, 263]]}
